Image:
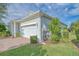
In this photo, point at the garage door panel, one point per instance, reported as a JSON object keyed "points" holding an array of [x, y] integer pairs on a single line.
{"points": [[29, 30]]}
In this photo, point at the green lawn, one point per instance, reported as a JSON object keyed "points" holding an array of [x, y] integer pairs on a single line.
{"points": [[60, 49]]}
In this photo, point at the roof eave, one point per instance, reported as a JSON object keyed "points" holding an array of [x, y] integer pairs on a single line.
{"points": [[37, 13]]}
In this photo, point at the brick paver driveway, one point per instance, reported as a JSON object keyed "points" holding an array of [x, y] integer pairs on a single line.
{"points": [[10, 43]]}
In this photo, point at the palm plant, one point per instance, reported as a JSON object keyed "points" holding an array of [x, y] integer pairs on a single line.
{"points": [[55, 29]]}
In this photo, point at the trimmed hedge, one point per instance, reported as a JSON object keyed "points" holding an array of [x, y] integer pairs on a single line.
{"points": [[33, 39]]}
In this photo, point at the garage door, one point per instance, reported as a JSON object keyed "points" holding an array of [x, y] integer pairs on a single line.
{"points": [[29, 30]]}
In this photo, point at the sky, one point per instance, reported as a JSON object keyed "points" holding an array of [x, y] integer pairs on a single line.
{"points": [[66, 12]]}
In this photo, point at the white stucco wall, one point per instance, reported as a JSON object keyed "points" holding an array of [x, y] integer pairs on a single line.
{"points": [[45, 22], [12, 28], [36, 21], [39, 34], [42, 24]]}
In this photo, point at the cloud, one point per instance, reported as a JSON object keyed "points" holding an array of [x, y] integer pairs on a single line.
{"points": [[76, 5], [61, 10], [74, 11], [62, 4], [37, 4], [49, 7], [66, 9], [17, 10]]}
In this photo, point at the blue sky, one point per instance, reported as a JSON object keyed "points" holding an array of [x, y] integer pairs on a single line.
{"points": [[67, 13]]}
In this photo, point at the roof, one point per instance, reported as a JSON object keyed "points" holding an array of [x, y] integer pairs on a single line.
{"points": [[33, 15], [63, 24]]}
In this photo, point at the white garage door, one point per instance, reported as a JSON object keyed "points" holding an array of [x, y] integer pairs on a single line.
{"points": [[29, 30]]}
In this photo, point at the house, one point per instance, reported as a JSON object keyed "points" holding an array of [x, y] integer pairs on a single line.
{"points": [[35, 24]]}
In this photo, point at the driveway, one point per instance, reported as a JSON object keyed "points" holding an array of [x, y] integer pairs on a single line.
{"points": [[10, 43]]}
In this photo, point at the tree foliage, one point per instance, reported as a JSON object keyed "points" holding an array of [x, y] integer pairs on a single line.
{"points": [[65, 36], [3, 8], [4, 32], [2, 27], [3, 11], [55, 29], [75, 27]]}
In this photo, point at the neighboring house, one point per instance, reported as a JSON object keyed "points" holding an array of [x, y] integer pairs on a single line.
{"points": [[34, 24]]}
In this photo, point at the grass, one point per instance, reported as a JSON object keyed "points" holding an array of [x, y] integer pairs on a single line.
{"points": [[60, 49], [26, 50]]}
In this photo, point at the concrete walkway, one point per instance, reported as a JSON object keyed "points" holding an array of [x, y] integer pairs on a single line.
{"points": [[10, 43]]}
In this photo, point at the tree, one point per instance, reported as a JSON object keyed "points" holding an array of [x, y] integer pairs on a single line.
{"points": [[2, 27], [3, 8], [55, 29], [4, 32], [75, 27]]}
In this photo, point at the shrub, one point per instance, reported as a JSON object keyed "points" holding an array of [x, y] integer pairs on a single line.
{"points": [[77, 34], [8, 33], [33, 39], [75, 27], [65, 36], [55, 29], [75, 41], [4, 32], [55, 37]]}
